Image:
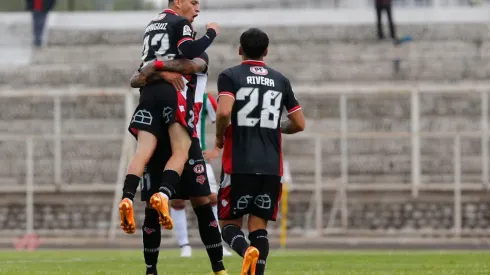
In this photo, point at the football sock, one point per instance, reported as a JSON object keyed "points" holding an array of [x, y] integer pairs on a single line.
{"points": [[259, 240], [180, 225], [130, 186], [152, 237], [170, 179], [235, 238], [208, 229]]}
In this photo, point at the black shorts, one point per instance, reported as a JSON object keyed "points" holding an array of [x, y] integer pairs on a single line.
{"points": [[193, 182], [160, 105], [243, 194]]}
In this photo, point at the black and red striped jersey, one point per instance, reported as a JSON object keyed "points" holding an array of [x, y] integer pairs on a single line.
{"points": [[163, 36], [253, 138]]}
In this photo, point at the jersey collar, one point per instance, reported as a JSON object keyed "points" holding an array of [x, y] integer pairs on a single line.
{"points": [[170, 11], [254, 62]]}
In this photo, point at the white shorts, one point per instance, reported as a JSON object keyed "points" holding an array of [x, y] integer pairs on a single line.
{"points": [[213, 185]]}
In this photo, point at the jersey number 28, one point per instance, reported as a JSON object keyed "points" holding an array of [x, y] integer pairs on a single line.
{"points": [[271, 108]]}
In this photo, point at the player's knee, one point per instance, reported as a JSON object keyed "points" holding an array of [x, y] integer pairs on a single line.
{"points": [[199, 201], [213, 199], [256, 223], [177, 204], [180, 156]]}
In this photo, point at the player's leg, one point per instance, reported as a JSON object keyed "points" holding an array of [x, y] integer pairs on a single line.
{"points": [[177, 212], [213, 199], [237, 192], [145, 126], [209, 232], [264, 209], [152, 237], [196, 185], [180, 140]]}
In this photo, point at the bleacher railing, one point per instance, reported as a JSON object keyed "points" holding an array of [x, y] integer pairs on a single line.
{"points": [[341, 186]]}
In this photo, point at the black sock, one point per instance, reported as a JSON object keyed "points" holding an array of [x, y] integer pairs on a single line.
{"points": [[152, 237], [130, 186], [208, 229], [235, 238], [259, 240], [170, 179]]}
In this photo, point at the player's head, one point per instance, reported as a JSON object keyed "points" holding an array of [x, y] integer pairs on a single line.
{"points": [[253, 44], [186, 8]]}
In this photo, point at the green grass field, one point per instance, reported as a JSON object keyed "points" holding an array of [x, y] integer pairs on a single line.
{"points": [[280, 262]]}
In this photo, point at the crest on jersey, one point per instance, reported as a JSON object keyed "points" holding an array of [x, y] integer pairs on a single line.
{"points": [[187, 31], [199, 169], [259, 70], [201, 179], [159, 17]]}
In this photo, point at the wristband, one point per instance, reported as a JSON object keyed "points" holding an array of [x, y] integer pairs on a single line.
{"points": [[158, 64]]}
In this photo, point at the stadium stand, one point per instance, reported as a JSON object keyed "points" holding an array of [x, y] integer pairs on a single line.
{"points": [[319, 60]]}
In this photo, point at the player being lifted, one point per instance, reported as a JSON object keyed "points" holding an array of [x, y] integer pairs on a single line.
{"points": [[251, 98], [162, 110]]}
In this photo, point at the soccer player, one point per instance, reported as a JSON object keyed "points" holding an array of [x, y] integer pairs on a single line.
{"points": [[193, 184], [162, 111], [248, 127], [205, 106]]}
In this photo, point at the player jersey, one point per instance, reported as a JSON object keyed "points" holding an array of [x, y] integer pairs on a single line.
{"points": [[163, 36], [194, 93], [253, 138], [208, 109]]}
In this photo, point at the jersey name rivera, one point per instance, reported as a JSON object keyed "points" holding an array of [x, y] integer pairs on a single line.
{"points": [[260, 80]]}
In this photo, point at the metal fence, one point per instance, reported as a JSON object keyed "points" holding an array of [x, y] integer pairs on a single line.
{"points": [[331, 220]]}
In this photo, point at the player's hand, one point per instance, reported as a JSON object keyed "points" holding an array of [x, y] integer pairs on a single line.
{"points": [[175, 79], [211, 154], [214, 26], [219, 143]]}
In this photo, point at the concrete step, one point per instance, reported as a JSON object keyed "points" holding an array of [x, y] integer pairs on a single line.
{"points": [[302, 73], [329, 51], [110, 35]]}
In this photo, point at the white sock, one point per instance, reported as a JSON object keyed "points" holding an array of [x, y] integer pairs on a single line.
{"points": [[180, 225], [215, 211], [164, 195]]}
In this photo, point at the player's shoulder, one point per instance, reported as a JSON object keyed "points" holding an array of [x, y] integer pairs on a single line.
{"points": [[231, 71], [277, 75], [169, 17]]}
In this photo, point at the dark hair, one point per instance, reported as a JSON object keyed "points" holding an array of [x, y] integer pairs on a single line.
{"points": [[254, 43], [170, 2]]}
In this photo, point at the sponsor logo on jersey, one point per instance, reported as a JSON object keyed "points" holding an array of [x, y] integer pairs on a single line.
{"points": [[187, 31], [259, 70], [201, 179]]}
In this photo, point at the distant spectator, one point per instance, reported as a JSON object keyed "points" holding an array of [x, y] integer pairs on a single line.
{"points": [[40, 10], [386, 6]]}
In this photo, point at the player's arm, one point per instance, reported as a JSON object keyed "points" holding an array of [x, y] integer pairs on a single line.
{"points": [[186, 44], [152, 71], [226, 99], [296, 119]]}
